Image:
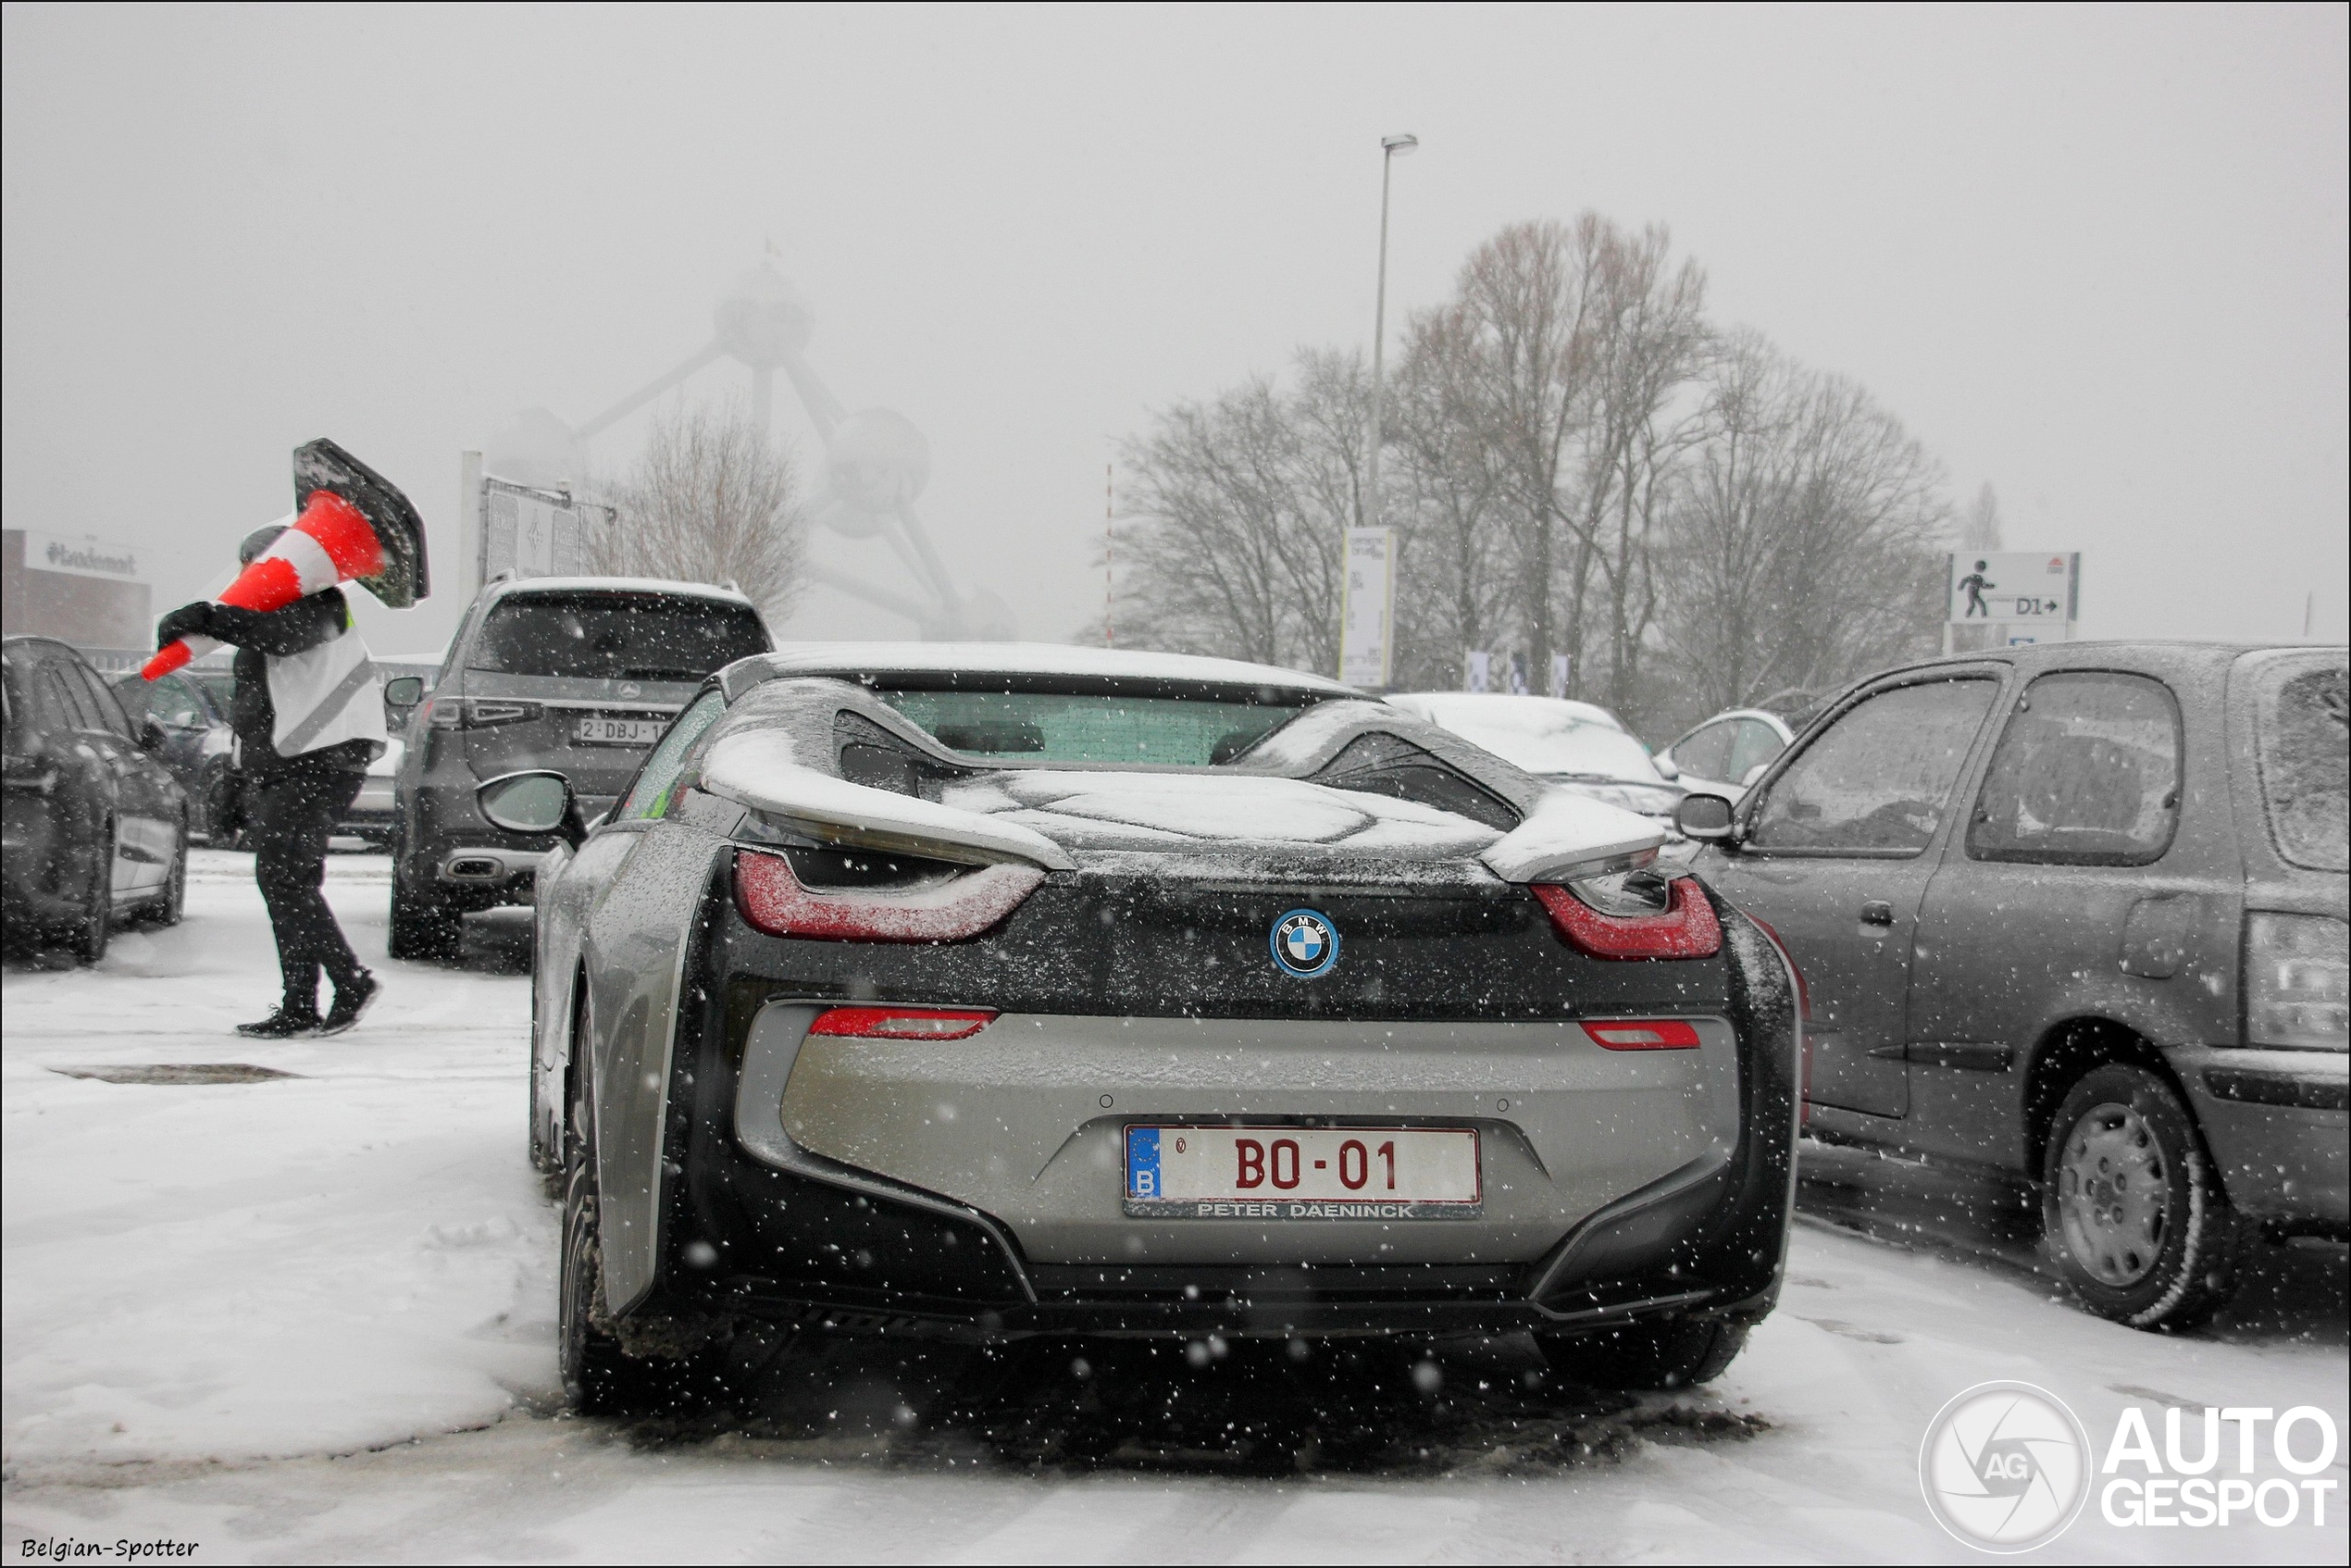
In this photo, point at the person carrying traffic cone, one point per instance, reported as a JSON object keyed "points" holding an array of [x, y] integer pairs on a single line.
{"points": [[307, 709]]}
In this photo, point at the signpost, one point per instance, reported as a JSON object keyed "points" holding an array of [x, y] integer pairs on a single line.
{"points": [[521, 531], [2018, 596], [1367, 609]]}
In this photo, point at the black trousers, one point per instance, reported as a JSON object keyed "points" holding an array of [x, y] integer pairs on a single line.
{"points": [[295, 806]]}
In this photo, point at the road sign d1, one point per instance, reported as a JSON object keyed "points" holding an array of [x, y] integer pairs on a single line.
{"points": [[2011, 586]]}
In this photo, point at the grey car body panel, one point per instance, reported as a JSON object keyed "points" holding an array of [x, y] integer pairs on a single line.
{"points": [[1858, 971], [770, 1056], [635, 951], [2009, 960], [1012, 1122]]}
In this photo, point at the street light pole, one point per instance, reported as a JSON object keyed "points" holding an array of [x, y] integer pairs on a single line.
{"points": [[1391, 148]]}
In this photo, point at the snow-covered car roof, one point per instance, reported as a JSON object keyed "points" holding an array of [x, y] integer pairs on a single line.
{"points": [[1442, 707], [882, 660], [1764, 715], [1547, 736], [509, 587]]}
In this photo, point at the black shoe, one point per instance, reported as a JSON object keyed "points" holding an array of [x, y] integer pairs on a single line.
{"points": [[351, 1001], [281, 1025]]}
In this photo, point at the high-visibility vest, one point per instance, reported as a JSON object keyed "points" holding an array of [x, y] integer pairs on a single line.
{"points": [[327, 695]]}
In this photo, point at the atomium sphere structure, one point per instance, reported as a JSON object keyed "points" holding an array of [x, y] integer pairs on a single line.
{"points": [[761, 320], [877, 462]]}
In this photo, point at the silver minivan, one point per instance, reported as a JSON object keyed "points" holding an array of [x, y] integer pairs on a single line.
{"points": [[580, 675]]}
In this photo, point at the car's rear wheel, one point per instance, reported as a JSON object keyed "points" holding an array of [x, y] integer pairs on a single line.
{"points": [[171, 902], [2132, 1205], [423, 925], [599, 1377], [1678, 1353], [92, 929]]}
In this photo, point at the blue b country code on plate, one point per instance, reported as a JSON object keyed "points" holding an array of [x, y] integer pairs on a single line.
{"points": [[1293, 1173]]}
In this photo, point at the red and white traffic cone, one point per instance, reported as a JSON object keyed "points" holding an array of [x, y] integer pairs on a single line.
{"points": [[331, 543]]}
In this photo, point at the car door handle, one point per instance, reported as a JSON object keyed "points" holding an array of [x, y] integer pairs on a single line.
{"points": [[1877, 912]]}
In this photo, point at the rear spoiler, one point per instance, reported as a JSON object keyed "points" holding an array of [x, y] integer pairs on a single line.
{"points": [[1568, 836], [756, 769]]}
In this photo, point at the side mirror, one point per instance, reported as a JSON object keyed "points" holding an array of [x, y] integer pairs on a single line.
{"points": [[1702, 817], [1667, 766], [535, 802], [151, 734], [1757, 771], [403, 691]]}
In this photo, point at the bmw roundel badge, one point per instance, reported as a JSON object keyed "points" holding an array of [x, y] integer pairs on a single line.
{"points": [[1305, 944]]}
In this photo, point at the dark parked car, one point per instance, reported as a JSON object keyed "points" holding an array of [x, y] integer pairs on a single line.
{"points": [[196, 747], [997, 990], [96, 828], [580, 675], [2078, 912]]}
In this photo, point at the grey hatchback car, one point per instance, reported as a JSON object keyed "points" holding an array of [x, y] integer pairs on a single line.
{"points": [[2077, 913], [580, 675]]}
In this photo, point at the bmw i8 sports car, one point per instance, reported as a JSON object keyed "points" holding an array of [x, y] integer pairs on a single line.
{"points": [[995, 991]]}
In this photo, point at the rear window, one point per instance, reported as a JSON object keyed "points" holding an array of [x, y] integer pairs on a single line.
{"points": [[1058, 726], [616, 637], [2299, 729]]}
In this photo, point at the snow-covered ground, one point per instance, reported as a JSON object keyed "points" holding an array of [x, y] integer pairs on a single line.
{"points": [[309, 1318]]}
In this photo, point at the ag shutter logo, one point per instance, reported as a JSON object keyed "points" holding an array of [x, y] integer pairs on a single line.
{"points": [[1305, 944], [2004, 1466]]}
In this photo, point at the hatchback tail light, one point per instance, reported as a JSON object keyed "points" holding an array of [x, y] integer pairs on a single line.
{"points": [[1686, 929], [1643, 1034], [2297, 981], [903, 1022], [775, 901]]}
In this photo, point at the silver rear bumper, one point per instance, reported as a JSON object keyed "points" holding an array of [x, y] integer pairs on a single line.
{"points": [[1025, 1121]]}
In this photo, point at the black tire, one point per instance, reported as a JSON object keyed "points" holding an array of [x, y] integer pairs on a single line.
{"points": [[423, 925], [1677, 1353], [599, 1377], [87, 937], [2132, 1203], [169, 905]]}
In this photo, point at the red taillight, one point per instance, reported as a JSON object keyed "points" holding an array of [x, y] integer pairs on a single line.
{"points": [[1686, 929], [776, 902], [1643, 1034], [903, 1022], [1804, 1019]]}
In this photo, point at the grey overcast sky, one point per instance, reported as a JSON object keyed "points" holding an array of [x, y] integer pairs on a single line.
{"points": [[2095, 257]]}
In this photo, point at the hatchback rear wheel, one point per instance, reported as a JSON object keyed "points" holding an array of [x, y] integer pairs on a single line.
{"points": [[2133, 1206]]}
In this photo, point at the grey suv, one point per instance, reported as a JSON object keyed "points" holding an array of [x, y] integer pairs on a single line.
{"points": [[2077, 911], [580, 675]]}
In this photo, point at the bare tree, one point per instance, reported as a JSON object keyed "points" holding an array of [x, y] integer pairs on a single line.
{"points": [[1805, 543], [712, 499], [1563, 357], [1448, 503], [1238, 509]]}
